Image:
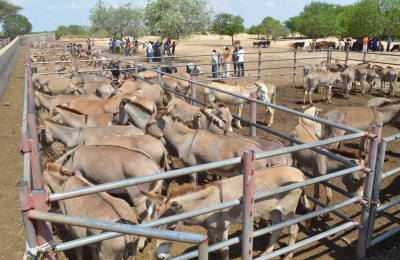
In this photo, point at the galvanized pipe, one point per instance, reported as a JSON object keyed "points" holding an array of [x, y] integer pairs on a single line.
{"points": [[203, 250], [372, 159], [198, 212], [25, 206], [193, 88], [117, 227], [375, 192], [337, 213], [294, 66], [384, 236], [266, 230], [249, 166], [307, 241], [253, 114], [259, 64], [388, 205]]}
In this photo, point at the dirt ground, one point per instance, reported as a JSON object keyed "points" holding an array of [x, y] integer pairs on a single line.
{"points": [[289, 95]]}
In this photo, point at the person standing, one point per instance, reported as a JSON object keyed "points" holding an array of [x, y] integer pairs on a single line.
{"points": [[117, 45], [162, 51], [240, 61], [110, 44], [214, 60], [227, 60], [234, 60], [173, 48], [89, 42], [149, 50], [127, 47], [388, 42], [365, 45], [167, 48]]}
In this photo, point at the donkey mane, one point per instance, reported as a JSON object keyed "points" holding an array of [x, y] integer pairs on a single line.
{"points": [[388, 103], [139, 105], [184, 189], [72, 110], [351, 154], [176, 119]]}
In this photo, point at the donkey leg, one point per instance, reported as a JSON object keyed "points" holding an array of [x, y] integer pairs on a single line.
{"points": [[223, 236], [271, 119], [306, 208], [326, 216], [316, 196], [79, 252], [276, 218], [329, 93], [293, 230], [143, 212], [239, 113], [305, 96]]}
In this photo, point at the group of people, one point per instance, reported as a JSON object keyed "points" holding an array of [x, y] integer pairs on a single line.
{"points": [[236, 58], [120, 47], [373, 44], [158, 49]]}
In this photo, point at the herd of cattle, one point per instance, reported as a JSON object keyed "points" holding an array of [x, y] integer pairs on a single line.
{"points": [[264, 44], [335, 45], [115, 128]]}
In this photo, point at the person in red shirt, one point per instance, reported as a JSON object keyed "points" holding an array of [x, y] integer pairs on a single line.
{"points": [[127, 48], [365, 45]]}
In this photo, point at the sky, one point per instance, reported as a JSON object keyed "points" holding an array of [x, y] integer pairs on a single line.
{"points": [[48, 15]]}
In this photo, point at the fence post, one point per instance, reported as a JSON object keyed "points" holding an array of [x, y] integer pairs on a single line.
{"points": [[193, 88], [365, 58], [36, 165], [44, 235], [369, 181], [173, 60], [136, 70], [347, 57], [120, 68], [330, 56], [219, 64], [203, 250], [159, 75], [327, 56], [375, 193], [253, 114], [294, 66], [259, 64], [25, 206], [249, 162]]}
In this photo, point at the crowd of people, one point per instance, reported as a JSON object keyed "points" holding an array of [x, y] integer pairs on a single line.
{"points": [[373, 44], [157, 50], [118, 46]]}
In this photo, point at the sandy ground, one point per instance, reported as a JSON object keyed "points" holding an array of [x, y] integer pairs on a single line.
{"points": [[289, 94]]}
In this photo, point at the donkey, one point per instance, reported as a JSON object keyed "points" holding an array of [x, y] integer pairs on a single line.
{"points": [[362, 118], [50, 102], [103, 164], [54, 86], [74, 118], [390, 75], [187, 198], [101, 89], [136, 110], [196, 147], [150, 145], [99, 206], [323, 78], [92, 106], [154, 91], [212, 96], [176, 84], [71, 137]]}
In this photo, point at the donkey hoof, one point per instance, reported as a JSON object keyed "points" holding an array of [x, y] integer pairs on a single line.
{"points": [[326, 216]]}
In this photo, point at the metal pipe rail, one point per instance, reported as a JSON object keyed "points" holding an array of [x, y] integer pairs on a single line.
{"points": [[228, 204], [117, 227], [180, 172], [266, 230]]}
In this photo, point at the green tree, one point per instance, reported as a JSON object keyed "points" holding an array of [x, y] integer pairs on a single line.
{"points": [[284, 31], [227, 24], [114, 20], [270, 26], [319, 19], [17, 25], [379, 18], [7, 9], [178, 18], [292, 24], [254, 30]]}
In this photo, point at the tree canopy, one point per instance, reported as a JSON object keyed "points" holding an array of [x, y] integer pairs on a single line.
{"points": [[8, 9], [17, 25], [318, 19], [121, 20], [270, 26], [178, 18], [227, 24]]}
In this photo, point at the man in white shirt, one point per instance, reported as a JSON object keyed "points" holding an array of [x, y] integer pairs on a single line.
{"points": [[117, 45], [214, 64], [240, 61], [149, 50]]}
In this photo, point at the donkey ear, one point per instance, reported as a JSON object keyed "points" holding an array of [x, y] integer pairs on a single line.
{"points": [[154, 197], [208, 110], [198, 115], [175, 206], [66, 172]]}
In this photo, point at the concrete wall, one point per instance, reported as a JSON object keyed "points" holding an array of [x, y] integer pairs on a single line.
{"points": [[39, 38], [8, 55]]}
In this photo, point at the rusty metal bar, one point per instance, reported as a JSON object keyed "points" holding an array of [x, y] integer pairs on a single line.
{"points": [[249, 165], [294, 66], [25, 206], [259, 64]]}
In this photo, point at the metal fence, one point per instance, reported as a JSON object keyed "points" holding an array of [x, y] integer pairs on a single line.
{"points": [[35, 215], [5, 42]]}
